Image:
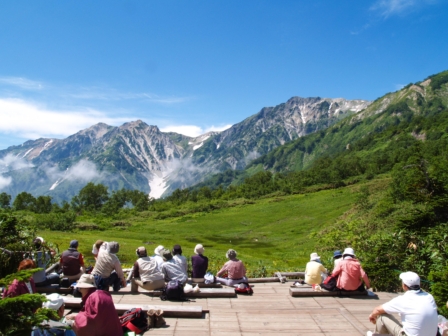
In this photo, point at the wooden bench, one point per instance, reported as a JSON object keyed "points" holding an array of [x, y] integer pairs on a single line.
{"points": [[54, 289], [308, 291], [204, 293], [168, 310]]}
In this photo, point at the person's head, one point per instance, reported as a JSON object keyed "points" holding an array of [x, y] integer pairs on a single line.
{"points": [[410, 281], [158, 250], [314, 257], [55, 302], [74, 244], [26, 264], [348, 252], [38, 242], [337, 254], [98, 244], [231, 254], [177, 250], [113, 247], [141, 252], [199, 249], [166, 254], [85, 283]]}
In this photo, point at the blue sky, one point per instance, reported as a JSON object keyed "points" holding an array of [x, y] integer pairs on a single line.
{"points": [[195, 66]]}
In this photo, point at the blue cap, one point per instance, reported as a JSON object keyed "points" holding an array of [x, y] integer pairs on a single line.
{"points": [[337, 254], [74, 244]]}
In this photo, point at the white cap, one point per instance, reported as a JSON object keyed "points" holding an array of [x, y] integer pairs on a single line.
{"points": [[348, 250], [55, 301], [410, 279], [314, 256], [158, 249]]}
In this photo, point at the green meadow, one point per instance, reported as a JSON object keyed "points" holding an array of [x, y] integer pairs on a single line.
{"points": [[269, 234]]}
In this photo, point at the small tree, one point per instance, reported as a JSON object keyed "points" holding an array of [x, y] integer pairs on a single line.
{"points": [[5, 200], [24, 201]]}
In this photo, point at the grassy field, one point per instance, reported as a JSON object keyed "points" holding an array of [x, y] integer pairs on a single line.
{"points": [[270, 235]]}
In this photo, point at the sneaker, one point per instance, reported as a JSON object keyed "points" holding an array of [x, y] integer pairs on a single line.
{"points": [[369, 333]]}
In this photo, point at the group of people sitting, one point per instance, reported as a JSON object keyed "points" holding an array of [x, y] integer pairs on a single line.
{"points": [[347, 271], [417, 308]]}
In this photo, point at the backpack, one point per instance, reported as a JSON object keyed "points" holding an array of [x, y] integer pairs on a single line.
{"points": [[174, 290], [329, 283], [135, 320], [246, 290]]}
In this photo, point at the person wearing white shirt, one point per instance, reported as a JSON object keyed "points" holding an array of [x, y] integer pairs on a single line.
{"points": [[158, 257], [417, 309]]}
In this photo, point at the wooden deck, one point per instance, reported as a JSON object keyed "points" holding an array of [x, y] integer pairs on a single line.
{"points": [[270, 311]]}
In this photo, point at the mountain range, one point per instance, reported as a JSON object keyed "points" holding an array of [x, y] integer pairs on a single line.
{"points": [[139, 156]]}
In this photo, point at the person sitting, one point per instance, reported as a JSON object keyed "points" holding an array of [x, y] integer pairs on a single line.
{"points": [[337, 257], [54, 328], [106, 263], [158, 256], [417, 309], [349, 272], [179, 258], [199, 262], [72, 262], [314, 270], [233, 272], [98, 316], [146, 273], [42, 259], [21, 287], [172, 270]]}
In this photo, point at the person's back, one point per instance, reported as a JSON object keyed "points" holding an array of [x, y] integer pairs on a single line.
{"points": [[314, 270], [173, 271], [72, 261], [349, 272], [418, 312], [148, 269], [105, 264], [199, 265]]}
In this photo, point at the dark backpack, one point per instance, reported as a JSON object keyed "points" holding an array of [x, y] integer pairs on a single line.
{"points": [[135, 320], [246, 290], [174, 290], [329, 283]]}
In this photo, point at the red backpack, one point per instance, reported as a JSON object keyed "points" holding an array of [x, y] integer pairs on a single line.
{"points": [[246, 290], [135, 320]]}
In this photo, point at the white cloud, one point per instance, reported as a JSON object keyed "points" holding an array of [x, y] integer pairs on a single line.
{"points": [[21, 83], [192, 130], [188, 130], [5, 181], [31, 121], [11, 162], [393, 7], [217, 128]]}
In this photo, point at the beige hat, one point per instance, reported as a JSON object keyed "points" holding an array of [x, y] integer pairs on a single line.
{"points": [[86, 281], [199, 249], [55, 301], [158, 249], [314, 256]]}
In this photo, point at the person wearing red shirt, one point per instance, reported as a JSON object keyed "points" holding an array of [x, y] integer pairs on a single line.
{"points": [[21, 287], [350, 273]]}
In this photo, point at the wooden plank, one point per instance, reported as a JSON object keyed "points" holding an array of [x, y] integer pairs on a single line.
{"points": [[204, 293], [310, 292], [54, 289], [168, 310], [292, 274], [259, 280]]}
